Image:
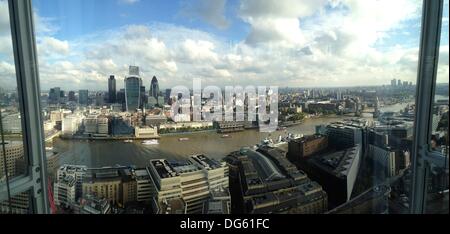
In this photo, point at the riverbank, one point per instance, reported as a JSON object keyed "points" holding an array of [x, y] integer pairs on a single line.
{"points": [[187, 133], [109, 138]]}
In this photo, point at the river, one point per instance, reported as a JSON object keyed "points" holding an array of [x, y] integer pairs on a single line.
{"points": [[108, 153]]}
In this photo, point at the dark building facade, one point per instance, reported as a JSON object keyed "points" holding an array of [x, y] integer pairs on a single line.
{"points": [[112, 89], [154, 88], [72, 96], [264, 181], [337, 173], [83, 97], [54, 95], [306, 146]]}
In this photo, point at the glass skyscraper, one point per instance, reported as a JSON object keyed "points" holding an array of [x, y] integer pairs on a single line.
{"points": [[154, 88], [112, 89], [133, 85], [83, 97]]}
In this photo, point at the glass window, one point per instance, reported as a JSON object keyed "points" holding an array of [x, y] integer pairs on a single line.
{"points": [[299, 97], [437, 187], [13, 161]]}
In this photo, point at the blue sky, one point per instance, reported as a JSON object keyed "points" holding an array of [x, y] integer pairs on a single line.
{"points": [[76, 18], [302, 43]]}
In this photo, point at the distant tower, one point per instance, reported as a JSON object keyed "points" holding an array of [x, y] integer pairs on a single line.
{"points": [[112, 89], [393, 82], [154, 88], [133, 83], [83, 97]]}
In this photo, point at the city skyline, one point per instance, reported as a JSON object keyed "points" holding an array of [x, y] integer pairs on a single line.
{"points": [[301, 44]]}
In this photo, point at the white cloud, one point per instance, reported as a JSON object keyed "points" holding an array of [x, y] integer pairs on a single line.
{"points": [[197, 51], [7, 75], [277, 21], [50, 46]]}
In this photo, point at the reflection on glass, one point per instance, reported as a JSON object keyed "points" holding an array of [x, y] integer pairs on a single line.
{"points": [[12, 159], [438, 178], [20, 204]]}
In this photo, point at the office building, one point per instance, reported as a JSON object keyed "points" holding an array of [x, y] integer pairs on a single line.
{"points": [[155, 120], [129, 187], [336, 172], [346, 134], [96, 125], [393, 82], [219, 202], [191, 180], [106, 182], [144, 97], [146, 132], [76, 171], [54, 95], [20, 204], [161, 101], [83, 97], [14, 156], [154, 88], [71, 96], [384, 160], [99, 99], [143, 185], [65, 191], [90, 124], [306, 146], [52, 163], [133, 85], [152, 102], [71, 124], [12, 123], [112, 89], [102, 125], [264, 181]]}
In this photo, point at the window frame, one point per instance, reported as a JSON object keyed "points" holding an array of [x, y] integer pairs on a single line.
{"points": [[34, 180], [422, 157]]}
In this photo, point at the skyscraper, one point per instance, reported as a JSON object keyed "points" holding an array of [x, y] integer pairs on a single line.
{"points": [[393, 82], [112, 89], [72, 96], [133, 83], [399, 83], [54, 95], [143, 97], [154, 88], [83, 97]]}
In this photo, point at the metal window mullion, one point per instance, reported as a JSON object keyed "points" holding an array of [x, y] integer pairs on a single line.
{"points": [[25, 57], [427, 70]]}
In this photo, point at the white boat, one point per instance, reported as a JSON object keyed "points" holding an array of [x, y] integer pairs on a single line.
{"points": [[183, 139], [150, 142]]}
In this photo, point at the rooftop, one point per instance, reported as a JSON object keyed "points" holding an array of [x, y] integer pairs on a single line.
{"points": [[337, 163], [171, 168]]}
